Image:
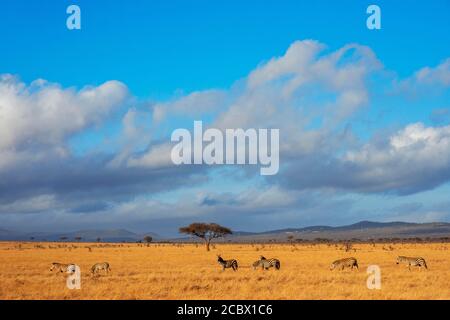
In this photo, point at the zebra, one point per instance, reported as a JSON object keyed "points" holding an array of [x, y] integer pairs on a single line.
{"points": [[232, 263], [341, 264], [265, 264], [61, 267], [412, 261], [257, 264], [100, 266]]}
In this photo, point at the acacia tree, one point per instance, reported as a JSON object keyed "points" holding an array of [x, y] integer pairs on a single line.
{"points": [[148, 239], [206, 231]]}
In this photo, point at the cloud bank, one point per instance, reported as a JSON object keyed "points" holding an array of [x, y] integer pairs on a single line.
{"points": [[319, 99]]}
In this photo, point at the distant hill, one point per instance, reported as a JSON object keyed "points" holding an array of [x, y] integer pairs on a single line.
{"points": [[89, 235], [363, 230], [372, 225], [10, 235]]}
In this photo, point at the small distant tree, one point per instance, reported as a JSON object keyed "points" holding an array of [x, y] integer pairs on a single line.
{"points": [[63, 238], [206, 231], [148, 239], [78, 238], [99, 239]]}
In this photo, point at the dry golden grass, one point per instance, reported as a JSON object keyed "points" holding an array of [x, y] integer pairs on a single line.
{"points": [[189, 272]]}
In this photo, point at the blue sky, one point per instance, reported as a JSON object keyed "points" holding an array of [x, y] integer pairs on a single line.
{"points": [[154, 55], [159, 47]]}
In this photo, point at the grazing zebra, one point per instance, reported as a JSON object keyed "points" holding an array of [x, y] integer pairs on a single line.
{"points": [[265, 264], [232, 263], [412, 261], [344, 263], [257, 264], [61, 267], [100, 266]]}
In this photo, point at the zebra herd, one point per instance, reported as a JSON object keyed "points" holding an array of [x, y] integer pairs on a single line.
{"points": [[67, 267], [262, 263], [340, 264]]}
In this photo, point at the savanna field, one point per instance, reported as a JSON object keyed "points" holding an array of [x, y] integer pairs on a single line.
{"points": [[188, 271]]}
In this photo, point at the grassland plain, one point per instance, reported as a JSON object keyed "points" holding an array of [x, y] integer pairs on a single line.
{"points": [[187, 271]]}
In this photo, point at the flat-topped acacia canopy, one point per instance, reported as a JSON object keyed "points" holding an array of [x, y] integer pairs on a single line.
{"points": [[206, 231]]}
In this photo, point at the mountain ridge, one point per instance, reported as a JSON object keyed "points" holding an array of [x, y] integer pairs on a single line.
{"points": [[362, 229], [86, 235]]}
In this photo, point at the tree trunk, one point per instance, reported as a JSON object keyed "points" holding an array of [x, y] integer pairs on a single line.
{"points": [[207, 242]]}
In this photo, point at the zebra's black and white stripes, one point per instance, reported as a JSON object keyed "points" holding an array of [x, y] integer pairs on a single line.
{"points": [[61, 267], [267, 263], [412, 261], [341, 264], [232, 263], [100, 266]]}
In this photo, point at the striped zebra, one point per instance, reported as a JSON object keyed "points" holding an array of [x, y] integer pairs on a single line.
{"points": [[412, 261], [232, 263], [341, 264], [61, 267], [100, 266], [265, 264]]}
